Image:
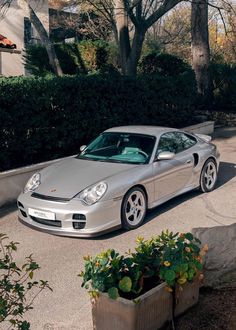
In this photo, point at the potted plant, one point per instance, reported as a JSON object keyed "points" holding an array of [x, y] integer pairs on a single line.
{"points": [[144, 289]]}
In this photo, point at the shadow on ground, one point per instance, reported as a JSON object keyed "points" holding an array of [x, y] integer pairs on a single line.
{"points": [[227, 171], [5, 210], [224, 133]]}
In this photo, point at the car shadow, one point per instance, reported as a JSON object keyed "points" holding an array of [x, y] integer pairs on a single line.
{"points": [[227, 171], [9, 208]]}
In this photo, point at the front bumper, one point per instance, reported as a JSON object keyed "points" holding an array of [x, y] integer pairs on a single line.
{"points": [[94, 220]]}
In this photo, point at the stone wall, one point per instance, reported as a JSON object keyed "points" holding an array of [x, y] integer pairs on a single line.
{"points": [[220, 260], [224, 119]]}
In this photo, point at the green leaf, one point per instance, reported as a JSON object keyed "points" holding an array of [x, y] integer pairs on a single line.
{"points": [[113, 293], [189, 236], [169, 275], [125, 284], [184, 267], [198, 265]]}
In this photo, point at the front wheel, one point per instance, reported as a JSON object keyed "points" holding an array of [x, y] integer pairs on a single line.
{"points": [[133, 209], [208, 176]]}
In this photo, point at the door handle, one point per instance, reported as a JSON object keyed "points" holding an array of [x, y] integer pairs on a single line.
{"points": [[189, 161]]}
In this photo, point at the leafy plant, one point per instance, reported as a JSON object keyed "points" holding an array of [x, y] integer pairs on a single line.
{"points": [[18, 289], [173, 258]]}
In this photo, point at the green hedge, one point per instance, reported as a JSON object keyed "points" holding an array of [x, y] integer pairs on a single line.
{"points": [[224, 81], [46, 118]]}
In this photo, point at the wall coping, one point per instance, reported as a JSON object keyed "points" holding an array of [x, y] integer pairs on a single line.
{"points": [[200, 125]]}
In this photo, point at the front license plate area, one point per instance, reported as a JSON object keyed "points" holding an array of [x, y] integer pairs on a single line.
{"points": [[42, 214]]}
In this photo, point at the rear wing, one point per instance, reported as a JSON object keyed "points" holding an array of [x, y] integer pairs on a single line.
{"points": [[205, 138]]}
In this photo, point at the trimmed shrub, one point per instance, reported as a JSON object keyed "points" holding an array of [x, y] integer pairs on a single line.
{"points": [[47, 118], [163, 65], [224, 81]]}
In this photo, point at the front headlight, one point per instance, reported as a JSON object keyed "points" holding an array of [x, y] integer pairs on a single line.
{"points": [[92, 194], [33, 183]]}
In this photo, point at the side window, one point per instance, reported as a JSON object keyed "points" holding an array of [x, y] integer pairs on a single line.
{"points": [[184, 141], [167, 143], [175, 142]]}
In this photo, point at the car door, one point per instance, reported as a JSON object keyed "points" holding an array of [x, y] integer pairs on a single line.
{"points": [[171, 176]]}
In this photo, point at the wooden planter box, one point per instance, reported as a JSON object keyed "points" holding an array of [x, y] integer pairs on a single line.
{"points": [[150, 311]]}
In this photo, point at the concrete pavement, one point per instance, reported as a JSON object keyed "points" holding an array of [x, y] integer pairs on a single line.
{"points": [[61, 259]]}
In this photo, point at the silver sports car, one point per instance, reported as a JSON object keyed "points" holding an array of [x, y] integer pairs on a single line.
{"points": [[116, 178]]}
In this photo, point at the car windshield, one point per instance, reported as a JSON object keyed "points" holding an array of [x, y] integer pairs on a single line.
{"points": [[120, 148]]}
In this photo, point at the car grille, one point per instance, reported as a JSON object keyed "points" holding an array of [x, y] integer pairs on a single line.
{"points": [[23, 213], [79, 225], [20, 204], [79, 217], [53, 223], [50, 198]]}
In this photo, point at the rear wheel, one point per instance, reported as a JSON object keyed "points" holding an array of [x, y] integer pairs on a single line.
{"points": [[208, 176], [133, 209]]}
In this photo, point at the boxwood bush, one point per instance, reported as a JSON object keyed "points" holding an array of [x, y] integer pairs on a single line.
{"points": [[46, 118]]}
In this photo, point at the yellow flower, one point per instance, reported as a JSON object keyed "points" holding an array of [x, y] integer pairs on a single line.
{"points": [[167, 263], [182, 280]]}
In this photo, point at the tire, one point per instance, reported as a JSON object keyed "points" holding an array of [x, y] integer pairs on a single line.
{"points": [[133, 208], [208, 176]]}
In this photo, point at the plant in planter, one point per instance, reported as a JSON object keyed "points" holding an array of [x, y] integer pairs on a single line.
{"points": [[135, 290], [18, 289]]}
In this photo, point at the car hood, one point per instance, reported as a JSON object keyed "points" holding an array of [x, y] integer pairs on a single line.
{"points": [[67, 178]]}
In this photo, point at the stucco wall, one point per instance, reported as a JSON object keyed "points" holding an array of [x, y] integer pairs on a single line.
{"points": [[12, 26]]}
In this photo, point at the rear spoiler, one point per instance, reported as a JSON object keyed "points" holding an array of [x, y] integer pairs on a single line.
{"points": [[205, 138]]}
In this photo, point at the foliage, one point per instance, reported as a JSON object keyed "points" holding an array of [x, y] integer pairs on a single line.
{"points": [[36, 60], [173, 258], [163, 64], [18, 290], [48, 118], [79, 58], [94, 54], [224, 80]]}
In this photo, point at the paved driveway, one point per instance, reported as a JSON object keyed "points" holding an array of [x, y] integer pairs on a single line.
{"points": [[61, 259]]}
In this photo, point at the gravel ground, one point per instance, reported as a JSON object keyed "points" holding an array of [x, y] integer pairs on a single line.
{"points": [[216, 309]]}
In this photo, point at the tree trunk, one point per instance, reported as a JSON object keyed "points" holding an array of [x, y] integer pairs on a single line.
{"points": [[123, 34], [43, 35], [135, 53], [200, 46]]}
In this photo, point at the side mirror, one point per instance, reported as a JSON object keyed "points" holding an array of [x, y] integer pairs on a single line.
{"points": [[82, 148], [165, 155]]}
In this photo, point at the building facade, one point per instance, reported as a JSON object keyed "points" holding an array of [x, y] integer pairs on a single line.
{"points": [[16, 26]]}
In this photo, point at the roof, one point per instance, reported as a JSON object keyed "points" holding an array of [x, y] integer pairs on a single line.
{"points": [[142, 129]]}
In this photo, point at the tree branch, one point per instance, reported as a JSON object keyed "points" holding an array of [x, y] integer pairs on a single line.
{"points": [[163, 9]]}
